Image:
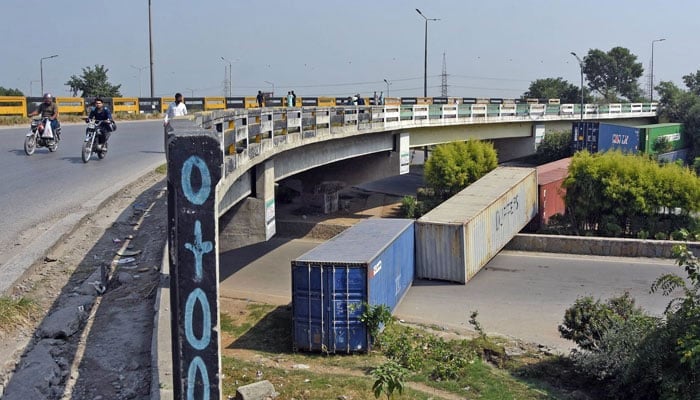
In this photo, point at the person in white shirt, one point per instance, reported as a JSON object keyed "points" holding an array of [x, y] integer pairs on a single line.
{"points": [[175, 109]]}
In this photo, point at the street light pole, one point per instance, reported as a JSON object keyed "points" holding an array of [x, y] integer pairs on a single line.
{"points": [[580, 64], [651, 89], [41, 70], [425, 58], [150, 43], [139, 69], [387, 87]]}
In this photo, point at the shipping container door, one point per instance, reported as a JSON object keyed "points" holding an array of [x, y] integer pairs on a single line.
{"points": [[307, 301], [345, 290], [327, 302]]}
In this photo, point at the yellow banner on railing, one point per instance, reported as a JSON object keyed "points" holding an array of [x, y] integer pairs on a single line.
{"points": [[165, 103], [126, 104], [70, 105], [13, 105], [214, 103]]}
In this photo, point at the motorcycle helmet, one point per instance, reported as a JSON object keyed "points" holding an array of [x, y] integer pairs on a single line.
{"points": [[48, 96]]}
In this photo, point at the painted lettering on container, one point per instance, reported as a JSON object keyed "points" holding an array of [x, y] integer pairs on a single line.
{"points": [[620, 139], [507, 210]]}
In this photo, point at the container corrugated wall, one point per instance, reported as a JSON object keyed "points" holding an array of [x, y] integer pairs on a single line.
{"points": [[599, 137], [456, 239], [371, 262], [674, 134]]}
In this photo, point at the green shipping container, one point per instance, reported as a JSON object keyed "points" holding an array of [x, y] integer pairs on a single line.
{"points": [[651, 135]]}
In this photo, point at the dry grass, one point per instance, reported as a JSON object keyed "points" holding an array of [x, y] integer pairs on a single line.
{"points": [[15, 313]]}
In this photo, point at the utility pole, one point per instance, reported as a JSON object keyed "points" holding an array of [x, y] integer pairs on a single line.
{"points": [[150, 43]]}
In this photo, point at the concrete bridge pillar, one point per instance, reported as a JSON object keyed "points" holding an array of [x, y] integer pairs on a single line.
{"points": [[252, 220]]}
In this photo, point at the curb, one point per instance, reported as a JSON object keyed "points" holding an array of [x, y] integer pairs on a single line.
{"points": [[161, 344]]}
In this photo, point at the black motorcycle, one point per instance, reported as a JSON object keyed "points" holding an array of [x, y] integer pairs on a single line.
{"points": [[38, 136], [94, 140]]}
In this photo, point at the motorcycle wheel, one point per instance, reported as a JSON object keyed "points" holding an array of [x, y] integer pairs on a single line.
{"points": [[53, 146], [30, 145], [102, 154], [87, 149]]}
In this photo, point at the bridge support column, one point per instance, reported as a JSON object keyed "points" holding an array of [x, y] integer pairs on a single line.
{"points": [[252, 220]]}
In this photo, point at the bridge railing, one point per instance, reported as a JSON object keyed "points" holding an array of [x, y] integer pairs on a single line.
{"points": [[251, 133]]}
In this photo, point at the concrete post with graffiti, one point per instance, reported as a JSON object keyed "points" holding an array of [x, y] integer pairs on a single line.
{"points": [[195, 159]]}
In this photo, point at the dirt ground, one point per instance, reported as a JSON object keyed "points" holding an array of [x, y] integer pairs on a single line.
{"points": [[109, 354]]}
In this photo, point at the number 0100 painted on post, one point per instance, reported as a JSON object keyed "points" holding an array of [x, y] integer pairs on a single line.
{"points": [[196, 298]]}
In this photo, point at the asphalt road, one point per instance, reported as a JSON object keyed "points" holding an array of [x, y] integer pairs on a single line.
{"points": [[42, 195], [520, 295]]}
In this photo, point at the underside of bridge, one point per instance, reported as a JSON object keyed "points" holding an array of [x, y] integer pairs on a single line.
{"points": [[319, 169]]}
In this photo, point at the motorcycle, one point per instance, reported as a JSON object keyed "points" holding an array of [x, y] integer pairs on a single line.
{"points": [[38, 136], [93, 136]]}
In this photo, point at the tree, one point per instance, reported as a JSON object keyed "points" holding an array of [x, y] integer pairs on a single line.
{"points": [[554, 146], [453, 166], [10, 92], [678, 105], [692, 81], [556, 88], [613, 194], [614, 73], [93, 83]]}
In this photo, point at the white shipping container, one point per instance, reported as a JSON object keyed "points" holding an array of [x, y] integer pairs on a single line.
{"points": [[457, 238]]}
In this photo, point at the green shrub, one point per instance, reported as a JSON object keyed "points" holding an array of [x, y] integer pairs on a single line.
{"points": [[587, 320], [409, 206]]}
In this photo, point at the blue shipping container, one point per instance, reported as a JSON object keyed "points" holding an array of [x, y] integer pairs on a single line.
{"points": [[370, 263], [599, 137]]}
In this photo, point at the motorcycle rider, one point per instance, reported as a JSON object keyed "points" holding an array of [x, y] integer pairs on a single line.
{"points": [[104, 117], [49, 109]]}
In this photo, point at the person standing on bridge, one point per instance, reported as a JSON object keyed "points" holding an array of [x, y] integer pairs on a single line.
{"points": [[260, 99], [176, 109], [290, 99]]}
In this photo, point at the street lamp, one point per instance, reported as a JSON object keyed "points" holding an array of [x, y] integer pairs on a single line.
{"points": [[273, 88], [139, 69], [580, 64], [387, 87], [651, 89], [425, 63], [191, 92], [41, 70]]}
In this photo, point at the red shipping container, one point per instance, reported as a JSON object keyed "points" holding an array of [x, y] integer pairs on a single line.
{"points": [[551, 194]]}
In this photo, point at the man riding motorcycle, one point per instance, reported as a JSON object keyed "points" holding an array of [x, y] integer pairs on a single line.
{"points": [[49, 109], [104, 116]]}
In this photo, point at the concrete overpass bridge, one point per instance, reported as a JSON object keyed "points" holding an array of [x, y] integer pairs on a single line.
{"points": [[223, 166], [262, 146]]}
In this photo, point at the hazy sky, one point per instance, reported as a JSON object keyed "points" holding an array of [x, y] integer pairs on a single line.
{"points": [[337, 48]]}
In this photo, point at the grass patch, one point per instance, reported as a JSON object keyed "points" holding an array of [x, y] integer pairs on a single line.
{"points": [[162, 169], [15, 313], [438, 368], [301, 384]]}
